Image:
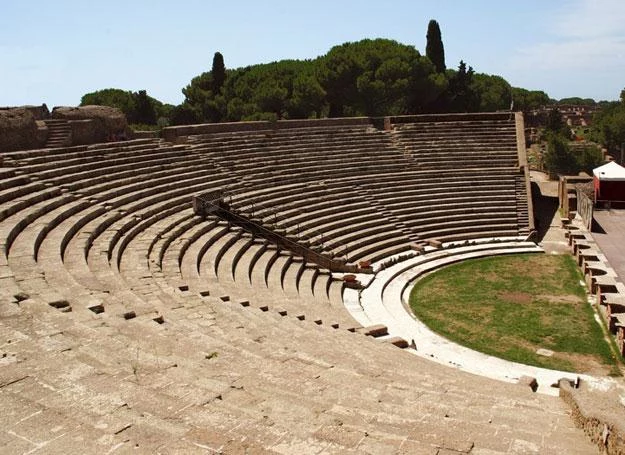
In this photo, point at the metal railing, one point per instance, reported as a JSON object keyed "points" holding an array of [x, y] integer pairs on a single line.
{"points": [[209, 203]]}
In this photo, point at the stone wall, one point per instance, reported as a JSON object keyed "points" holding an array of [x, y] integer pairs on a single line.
{"points": [[19, 130], [463, 117], [85, 132], [567, 192], [172, 133], [178, 133], [599, 414], [91, 124], [23, 128], [585, 208], [145, 134]]}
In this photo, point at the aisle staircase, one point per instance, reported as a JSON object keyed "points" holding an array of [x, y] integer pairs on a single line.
{"points": [[59, 133]]}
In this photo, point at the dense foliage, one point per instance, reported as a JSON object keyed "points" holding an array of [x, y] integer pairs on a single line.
{"points": [[564, 158], [527, 100], [577, 101], [609, 126], [366, 78], [369, 78], [139, 107], [378, 77], [559, 159]]}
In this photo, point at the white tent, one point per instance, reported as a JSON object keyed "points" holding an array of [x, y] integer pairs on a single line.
{"points": [[610, 171]]}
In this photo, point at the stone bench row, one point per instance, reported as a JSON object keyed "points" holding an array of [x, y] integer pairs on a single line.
{"points": [[385, 300], [71, 156], [601, 279], [450, 137], [82, 165], [203, 362], [53, 153], [216, 263]]}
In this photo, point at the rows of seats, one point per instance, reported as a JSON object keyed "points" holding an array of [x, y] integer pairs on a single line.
{"points": [[131, 323], [469, 144], [386, 298], [303, 184]]}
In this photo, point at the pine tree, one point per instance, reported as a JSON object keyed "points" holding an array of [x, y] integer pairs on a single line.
{"points": [[218, 72], [434, 48]]}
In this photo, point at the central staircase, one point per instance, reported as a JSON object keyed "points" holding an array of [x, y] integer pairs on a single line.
{"points": [[59, 133]]}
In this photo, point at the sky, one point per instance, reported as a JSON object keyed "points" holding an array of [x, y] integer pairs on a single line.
{"points": [[54, 52]]}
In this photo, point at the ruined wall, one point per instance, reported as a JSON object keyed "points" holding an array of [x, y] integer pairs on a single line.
{"points": [[19, 130], [599, 414], [452, 117], [91, 124], [585, 207]]}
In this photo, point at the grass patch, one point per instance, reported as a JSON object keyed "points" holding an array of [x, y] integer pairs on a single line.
{"points": [[511, 306]]}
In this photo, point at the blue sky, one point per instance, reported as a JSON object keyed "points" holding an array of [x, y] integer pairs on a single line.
{"points": [[56, 51]]}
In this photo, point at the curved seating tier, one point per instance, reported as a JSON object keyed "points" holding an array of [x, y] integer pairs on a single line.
{"points": [[327, 184], [385, 301], [130, 323]]}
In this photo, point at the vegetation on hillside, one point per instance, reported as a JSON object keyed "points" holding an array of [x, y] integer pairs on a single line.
{"points": [[609, 126], [561, 156]]}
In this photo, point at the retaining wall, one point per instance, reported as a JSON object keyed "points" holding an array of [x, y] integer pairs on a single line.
{"points": [[178, 133], [599, 414]]}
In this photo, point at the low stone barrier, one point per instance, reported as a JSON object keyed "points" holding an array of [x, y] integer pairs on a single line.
{"points": [[599, 414], [172, 133]]}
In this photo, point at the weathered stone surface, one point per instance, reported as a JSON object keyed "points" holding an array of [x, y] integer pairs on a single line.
{"points": [[18, 130], [195, 373], [92, 123], [529, 382]]}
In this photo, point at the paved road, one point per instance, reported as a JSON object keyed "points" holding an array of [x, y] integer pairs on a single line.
{"points": [[609, 233]]}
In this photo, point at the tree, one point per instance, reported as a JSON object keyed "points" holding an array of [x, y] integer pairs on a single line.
{"points": [[218, 72], [577, 101], [558, 157], [528, 100], [377, 77], [203, 95], [112, 97], [434, 49], [588, 158], [144, 109], [608, 127], [183, 114], [493, 92], [461, 93], [138, 107], [556, 125]]}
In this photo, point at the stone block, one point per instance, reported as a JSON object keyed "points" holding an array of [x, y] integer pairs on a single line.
{"points": [[398, 341], [375, 331], [435, 243], [528, 381]]}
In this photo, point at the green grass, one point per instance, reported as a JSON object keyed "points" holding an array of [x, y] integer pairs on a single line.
{"points": [[510, 306]]}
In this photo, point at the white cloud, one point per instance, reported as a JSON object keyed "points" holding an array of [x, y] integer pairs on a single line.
{"points": [[591, 53], [586, 50], [591, 18]]}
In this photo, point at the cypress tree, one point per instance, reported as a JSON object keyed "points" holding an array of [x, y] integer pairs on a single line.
{"points": [[434, 48], [218, 71]]}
